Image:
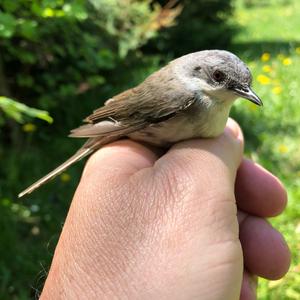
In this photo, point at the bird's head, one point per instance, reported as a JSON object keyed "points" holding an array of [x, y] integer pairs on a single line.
{"points": [[218, 74]]}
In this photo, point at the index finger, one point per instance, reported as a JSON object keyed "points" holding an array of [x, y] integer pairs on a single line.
{"points": [[259, 192]]}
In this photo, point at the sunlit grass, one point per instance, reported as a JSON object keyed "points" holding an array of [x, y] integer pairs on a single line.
{"points": [[269, 20], [271, 43]]}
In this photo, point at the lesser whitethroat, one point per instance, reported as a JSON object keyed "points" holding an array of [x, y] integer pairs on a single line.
{"points": [[188, 98]]}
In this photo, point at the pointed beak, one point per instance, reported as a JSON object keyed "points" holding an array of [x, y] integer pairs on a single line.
{"points": [[247, 93]]}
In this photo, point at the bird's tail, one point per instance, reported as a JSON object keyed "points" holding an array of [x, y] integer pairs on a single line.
{"points": [[81, 153], [88, 148]]}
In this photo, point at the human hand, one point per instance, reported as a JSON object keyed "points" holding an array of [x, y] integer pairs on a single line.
{"points": [[147, 227]]}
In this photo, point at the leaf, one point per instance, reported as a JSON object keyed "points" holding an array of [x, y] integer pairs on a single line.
{"points": [[7, 25], [10, 6], [17, 110], [76, 9], [95, 80], [28, 29]]}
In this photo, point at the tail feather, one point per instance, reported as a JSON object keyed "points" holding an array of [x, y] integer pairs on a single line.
{"points": [[91, 145], [81, 153]]}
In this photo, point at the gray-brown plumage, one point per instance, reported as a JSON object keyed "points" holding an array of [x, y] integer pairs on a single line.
{"points": [[190, 97]]}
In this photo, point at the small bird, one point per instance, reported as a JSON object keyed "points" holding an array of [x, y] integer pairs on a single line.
{"points": [[188, 98]]}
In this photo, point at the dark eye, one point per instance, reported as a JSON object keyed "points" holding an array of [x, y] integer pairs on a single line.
{"points": [[219, 76]]}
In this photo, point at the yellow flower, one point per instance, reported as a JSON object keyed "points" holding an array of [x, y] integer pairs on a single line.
{"points": [[298, 50], [65, 177], [265, 56], [283, 149], [29, 127], [263, 79], [277, 90], [287, 61], [267, 68]]}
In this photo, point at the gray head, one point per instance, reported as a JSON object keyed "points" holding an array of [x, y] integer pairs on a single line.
{"points": [[219, 74]]}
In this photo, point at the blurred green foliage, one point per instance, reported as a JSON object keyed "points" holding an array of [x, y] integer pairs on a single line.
{"points": [[58, 49], [200, 26]]}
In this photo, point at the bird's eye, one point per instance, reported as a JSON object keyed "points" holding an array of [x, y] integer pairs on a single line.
{"points": [[219, 76]]}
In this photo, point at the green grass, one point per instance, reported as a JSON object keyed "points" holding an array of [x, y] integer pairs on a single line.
{"points": [[270, 42]]}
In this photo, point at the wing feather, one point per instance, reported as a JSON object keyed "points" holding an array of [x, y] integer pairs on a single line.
{"points": [[157, 99]]}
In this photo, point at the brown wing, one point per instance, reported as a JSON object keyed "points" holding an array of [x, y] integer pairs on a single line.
{"points": [[157, 99]]}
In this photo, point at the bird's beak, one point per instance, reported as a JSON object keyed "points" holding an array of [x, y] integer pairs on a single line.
{"points": [[247, 93]]}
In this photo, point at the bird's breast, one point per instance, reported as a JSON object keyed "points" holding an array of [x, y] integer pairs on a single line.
{"points": [[196, 122]]}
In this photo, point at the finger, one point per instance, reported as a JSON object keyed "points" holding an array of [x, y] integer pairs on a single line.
{"points": [[249, 286], [265, 251], [258, 192], [222, 155]]}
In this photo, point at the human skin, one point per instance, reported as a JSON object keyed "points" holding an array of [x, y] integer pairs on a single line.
{"points": [[188, 224]]}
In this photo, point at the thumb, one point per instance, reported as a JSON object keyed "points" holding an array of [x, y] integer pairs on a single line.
{"points": [[197, 179], [207, 161]]}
